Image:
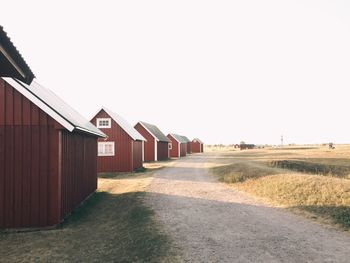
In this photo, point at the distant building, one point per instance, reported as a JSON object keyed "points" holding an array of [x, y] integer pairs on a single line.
{"points": [[123, 149], [156, 146], [178, 145], [189, 145], [197, 145], [246, 146]]}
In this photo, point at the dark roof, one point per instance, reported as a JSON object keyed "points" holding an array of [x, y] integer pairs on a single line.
{"points": [[198, 140], [12, 64], [55, 107], [153, 129], [179, 138], [186, 139]]}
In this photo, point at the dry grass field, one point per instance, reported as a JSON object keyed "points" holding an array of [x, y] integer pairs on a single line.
{"points": [[112, 226], [310, 180]]}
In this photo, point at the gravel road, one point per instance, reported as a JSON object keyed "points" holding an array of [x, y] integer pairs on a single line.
{"points": [[210, 222]]}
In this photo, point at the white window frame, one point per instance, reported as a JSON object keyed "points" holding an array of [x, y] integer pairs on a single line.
{"points": [[104, 126], [103, 144], [170, 146]]}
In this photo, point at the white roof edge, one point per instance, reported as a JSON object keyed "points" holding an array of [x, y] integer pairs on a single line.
{"points": [[148, 131], [34, 99], [88, 131], [130, 130], [174, 137]]}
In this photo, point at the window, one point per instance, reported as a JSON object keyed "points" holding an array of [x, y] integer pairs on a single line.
{"points": [[170, 146], [103, 122], [105, 149]]}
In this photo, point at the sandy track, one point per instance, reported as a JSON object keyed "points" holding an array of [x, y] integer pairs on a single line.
{"points": [[210, 222]]}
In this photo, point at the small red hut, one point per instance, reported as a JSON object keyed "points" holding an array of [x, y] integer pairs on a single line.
{"points": [[156, 148], [47, 150], [178, 145], [197, 146], [188, 145], [123, 149]]}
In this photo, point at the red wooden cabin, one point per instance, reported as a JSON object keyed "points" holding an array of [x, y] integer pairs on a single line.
{"points": [[123, 149], [188, 145], [178, 145], [197, 146], [47, 150], [156, 148]]}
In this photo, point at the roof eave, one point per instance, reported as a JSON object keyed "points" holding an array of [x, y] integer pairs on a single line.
{"points": [[15, 59], [101, 135], [148, 131]]}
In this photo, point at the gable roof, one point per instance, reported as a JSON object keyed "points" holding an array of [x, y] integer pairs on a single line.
{"points": [[179, 138], [186, 139], [133, 133], [12, 63], [153, 130], [55, 107], [198, 140]]}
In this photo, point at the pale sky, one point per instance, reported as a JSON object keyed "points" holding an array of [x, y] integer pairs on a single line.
{"points": [[222, 71]]}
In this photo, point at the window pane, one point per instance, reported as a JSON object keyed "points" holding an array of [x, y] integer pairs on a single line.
{"points": [[100, 148]]}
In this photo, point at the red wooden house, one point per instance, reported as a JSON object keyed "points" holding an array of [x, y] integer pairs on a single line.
{"points": [[156, 148], [178, 145], [47, 150], [123, 149], [197, 146], [189, 145]]}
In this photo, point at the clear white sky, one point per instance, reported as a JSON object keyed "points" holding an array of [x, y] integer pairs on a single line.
{"points": [[223, 71]]}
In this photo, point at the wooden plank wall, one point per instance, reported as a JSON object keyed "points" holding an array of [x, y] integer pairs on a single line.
{"points": [[183, 149], [27, 144], [162, 151], [149, 143], [122, 160], [196, 147], [137, 152], [78, 169]]}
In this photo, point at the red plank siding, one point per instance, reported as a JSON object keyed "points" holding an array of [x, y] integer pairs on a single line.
{"points": [[163, 151], [174, 151], [122, 161], [23, 157], [149, 148], [183, 149], [30, 169], [79, 170], [196, 147], [137, 154], [2, 151], [189, 148]]}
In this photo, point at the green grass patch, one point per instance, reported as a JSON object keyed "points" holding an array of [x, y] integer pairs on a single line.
{"points": [[107, 228]]}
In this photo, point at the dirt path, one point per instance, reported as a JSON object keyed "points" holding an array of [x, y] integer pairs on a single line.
{"points": [[210, 222]]}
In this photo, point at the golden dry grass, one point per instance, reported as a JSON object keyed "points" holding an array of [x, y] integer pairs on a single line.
{"points": [[320, 195]]}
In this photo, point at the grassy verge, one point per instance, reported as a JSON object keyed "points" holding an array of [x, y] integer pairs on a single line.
{"points": [[112, 226], [313, 167], [319, 197], [241, 171]]}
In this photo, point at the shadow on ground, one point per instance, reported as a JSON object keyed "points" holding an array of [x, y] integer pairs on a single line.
{"points": [[107, 228]]}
